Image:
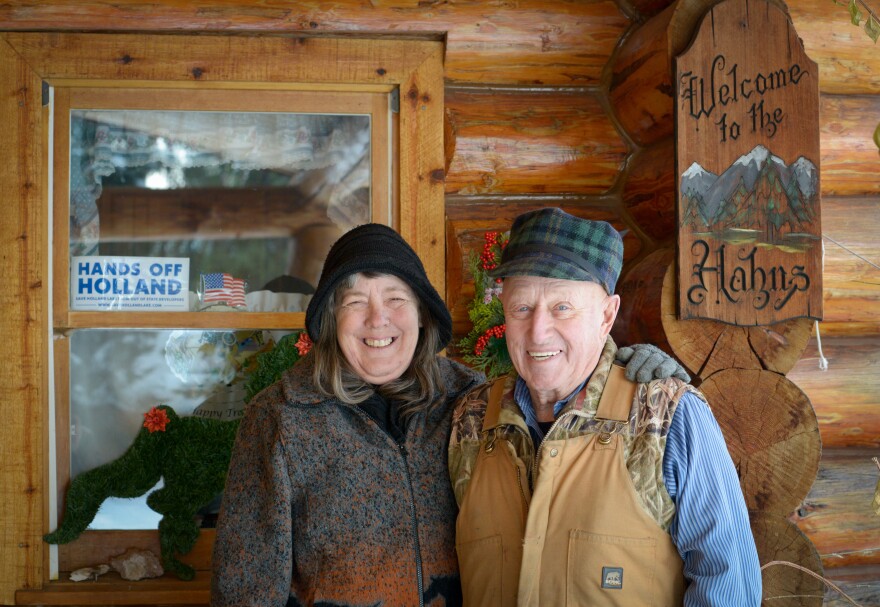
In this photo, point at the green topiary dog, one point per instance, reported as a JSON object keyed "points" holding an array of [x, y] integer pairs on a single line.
{"points": [[190, 453]]}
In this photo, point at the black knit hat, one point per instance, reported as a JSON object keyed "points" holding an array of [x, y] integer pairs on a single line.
{"points": [[374, 247]]}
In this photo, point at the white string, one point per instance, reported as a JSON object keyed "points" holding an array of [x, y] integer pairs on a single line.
{"points": [[823, 362]]}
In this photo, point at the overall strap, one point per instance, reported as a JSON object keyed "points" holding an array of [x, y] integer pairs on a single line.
{"points": [[493, 406], [617, 396]]}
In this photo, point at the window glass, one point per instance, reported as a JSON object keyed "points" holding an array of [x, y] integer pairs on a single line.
{"points": [[118, 375], [252, 200]]}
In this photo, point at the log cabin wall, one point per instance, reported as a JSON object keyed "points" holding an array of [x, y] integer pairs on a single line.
{"points": [[538, 115]]}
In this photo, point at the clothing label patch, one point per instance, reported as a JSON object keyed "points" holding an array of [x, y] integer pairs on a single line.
{"points": [[612, 577]]}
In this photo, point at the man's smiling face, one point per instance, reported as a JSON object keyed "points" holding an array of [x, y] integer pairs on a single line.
{"points": [[556, 330]]}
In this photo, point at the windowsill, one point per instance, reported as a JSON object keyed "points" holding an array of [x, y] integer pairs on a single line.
{"points": [[111, 589]]}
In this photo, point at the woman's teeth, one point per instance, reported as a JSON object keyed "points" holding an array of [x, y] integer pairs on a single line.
{"points": [[379, 343]]}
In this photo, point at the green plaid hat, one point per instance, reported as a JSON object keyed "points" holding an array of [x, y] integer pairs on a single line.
{"points": [[553, 244]]}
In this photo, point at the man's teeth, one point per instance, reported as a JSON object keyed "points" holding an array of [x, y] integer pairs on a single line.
{"points": [[379, 343], [543, 355]]}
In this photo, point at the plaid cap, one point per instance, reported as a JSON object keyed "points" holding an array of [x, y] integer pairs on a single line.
{"points": [[553, 244]]}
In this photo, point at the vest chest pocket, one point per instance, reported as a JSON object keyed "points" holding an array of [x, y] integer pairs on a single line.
{"points": [[610, 570], [480, 565]]}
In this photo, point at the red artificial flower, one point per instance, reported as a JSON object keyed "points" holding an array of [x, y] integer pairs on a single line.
{"points": [[303, 344], [155, 420]]}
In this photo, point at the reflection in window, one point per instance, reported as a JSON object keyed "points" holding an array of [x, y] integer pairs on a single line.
{"points": [[117, 375], [260, 196]]}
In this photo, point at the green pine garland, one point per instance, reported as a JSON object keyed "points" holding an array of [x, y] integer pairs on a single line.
{"points": [[485, 347]]}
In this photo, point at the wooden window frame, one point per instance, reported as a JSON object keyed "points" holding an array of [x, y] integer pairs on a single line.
{"points": [[34, 61], [71, 98]]}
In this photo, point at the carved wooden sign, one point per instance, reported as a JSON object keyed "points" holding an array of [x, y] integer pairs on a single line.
{"points": [[747, 130]]}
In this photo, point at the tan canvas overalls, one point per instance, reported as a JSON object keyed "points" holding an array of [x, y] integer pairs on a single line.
{"points": [[580, 538]]}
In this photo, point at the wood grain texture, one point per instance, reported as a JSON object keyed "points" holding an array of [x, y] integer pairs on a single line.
{"points": [[848, 59], [709, 346], [640, 290], [745, 81], [553, 42], [530, 42], [640, 90], [860, 583], [837, 516], [67, 59], [93, 547], [777, 539], [23, 382], [849, 154], [648, 315], [772, 435], [111, 589], [852, 265], [649, 190], [514, 141], [215, 58], [846, 396], [416, 67]]}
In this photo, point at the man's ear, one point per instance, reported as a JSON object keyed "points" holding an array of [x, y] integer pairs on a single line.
{"points": [[609, 312]]}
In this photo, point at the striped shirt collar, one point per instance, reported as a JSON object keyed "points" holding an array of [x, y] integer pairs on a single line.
{"points": [[523, 399]]}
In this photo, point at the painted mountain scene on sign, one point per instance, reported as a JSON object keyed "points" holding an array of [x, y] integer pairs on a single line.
{"points": [[758, 199]]}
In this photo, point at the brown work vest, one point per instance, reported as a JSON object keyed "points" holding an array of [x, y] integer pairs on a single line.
{"points": [[580, 538]]}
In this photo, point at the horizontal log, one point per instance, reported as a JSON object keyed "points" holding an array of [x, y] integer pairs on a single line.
{"points": [[509, 141], [850, 161], [860, 583], [846, 396], [848, 59], [554, 42], [469, 218], [837, 514], [851, 281], [549, 42]]}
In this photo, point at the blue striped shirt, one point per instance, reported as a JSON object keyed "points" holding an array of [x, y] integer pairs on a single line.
{"points": [[711, 524]]}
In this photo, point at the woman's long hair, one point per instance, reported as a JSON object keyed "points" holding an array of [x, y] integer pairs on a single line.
{"points": [[419, 388]]}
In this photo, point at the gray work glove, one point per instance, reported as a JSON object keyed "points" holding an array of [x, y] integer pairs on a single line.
{"points": [[645, 362]]}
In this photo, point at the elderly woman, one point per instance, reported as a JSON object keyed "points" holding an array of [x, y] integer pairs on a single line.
{"points": [[338, 491]]}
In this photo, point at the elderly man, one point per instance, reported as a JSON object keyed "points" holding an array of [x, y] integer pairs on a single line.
{"points": [[575, 485]]}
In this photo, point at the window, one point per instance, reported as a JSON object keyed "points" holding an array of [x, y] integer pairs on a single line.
{"points": [[187, 158]]}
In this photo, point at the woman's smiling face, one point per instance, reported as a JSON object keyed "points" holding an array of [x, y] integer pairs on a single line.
{"points": [[377, 327]]}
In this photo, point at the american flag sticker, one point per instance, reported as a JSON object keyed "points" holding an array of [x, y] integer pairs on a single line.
{"points": [[223, 288]]}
